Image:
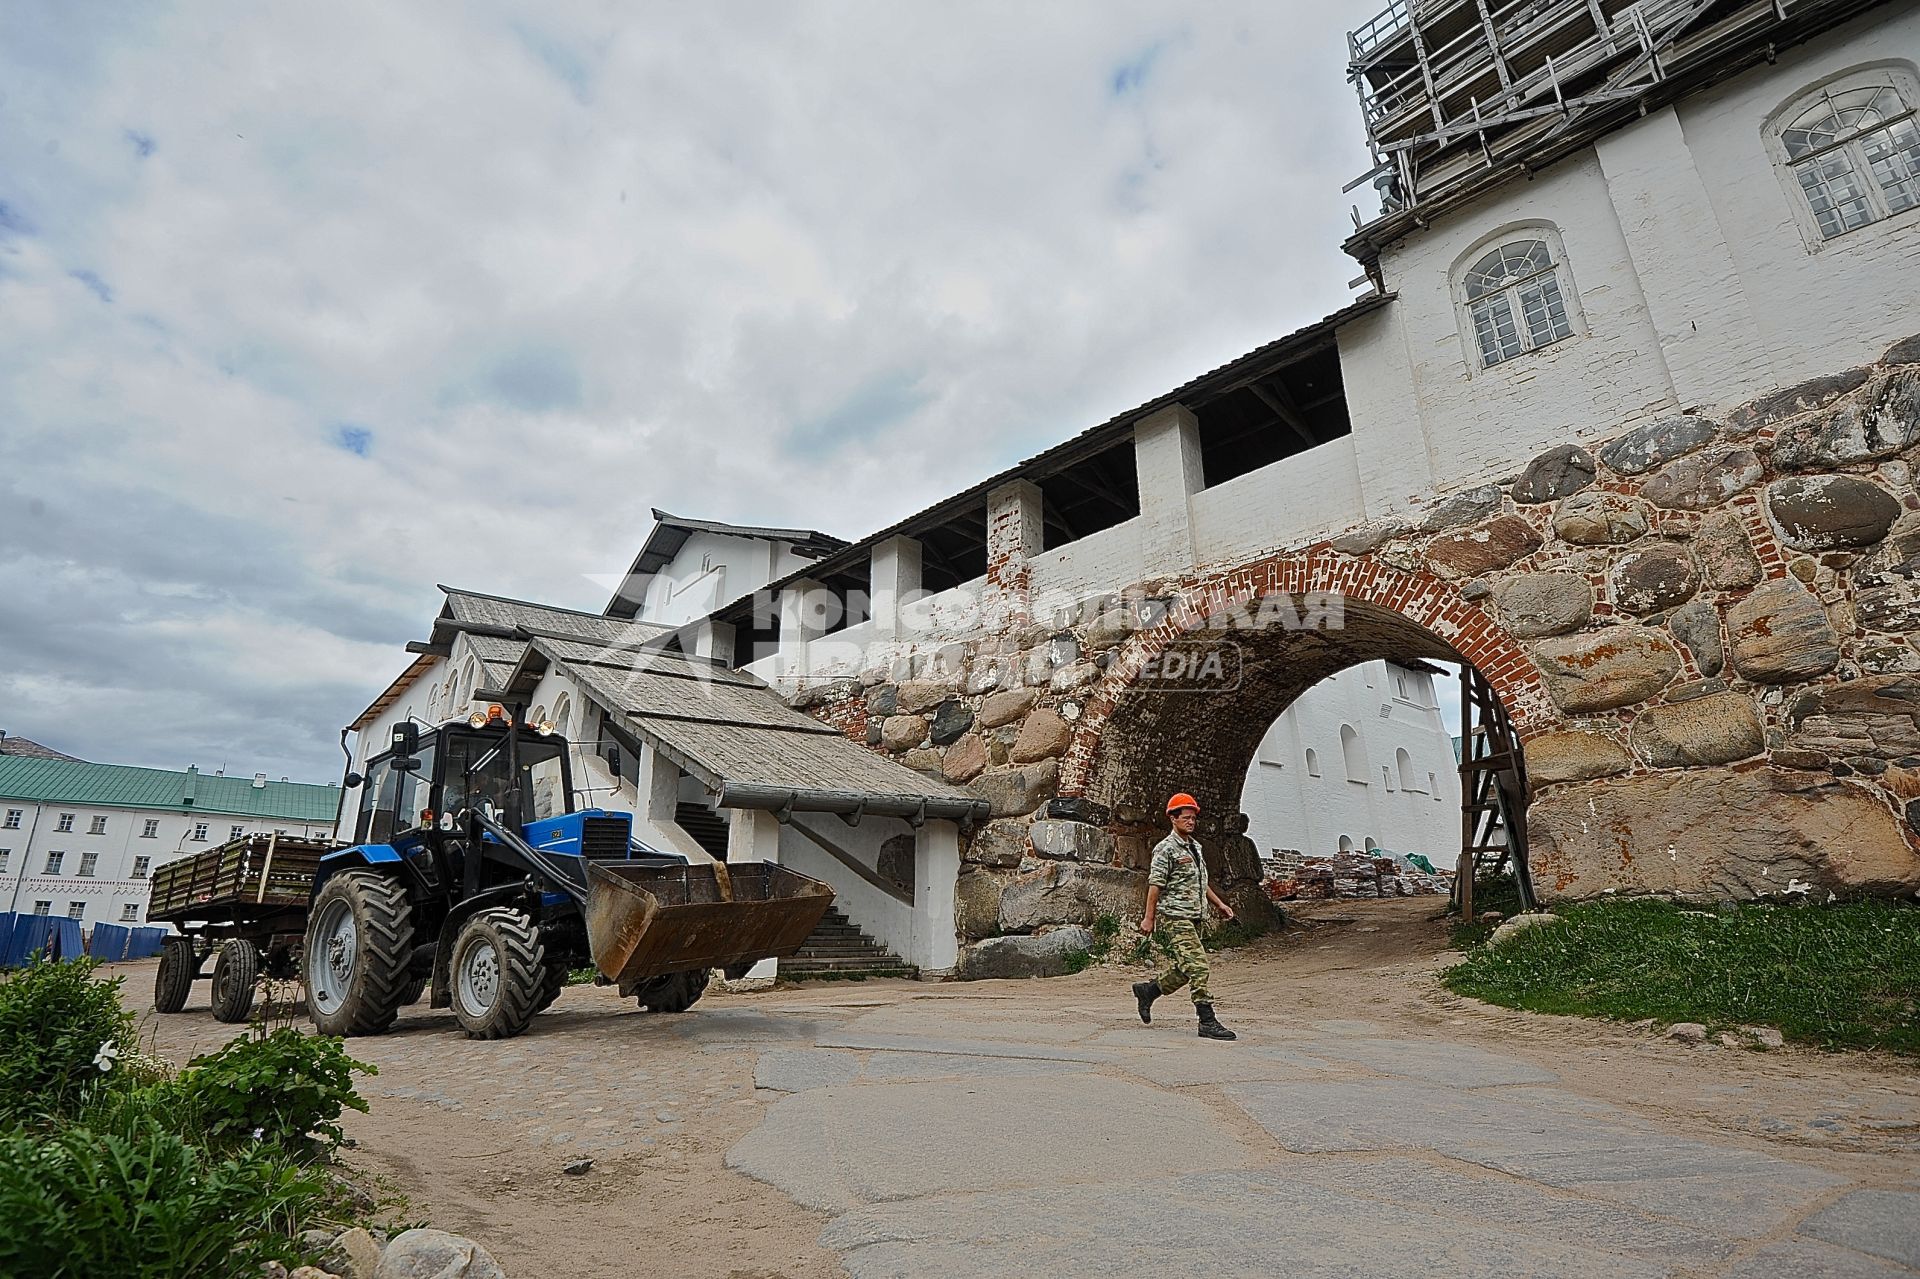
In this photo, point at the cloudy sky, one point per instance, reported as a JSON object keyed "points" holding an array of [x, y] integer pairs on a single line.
{"points": [[306, 308]]}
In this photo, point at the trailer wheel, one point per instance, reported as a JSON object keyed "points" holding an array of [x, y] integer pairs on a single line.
{"points": [[358, 950], [174, 982], [497, 973], [674, 993], [233, 980], [553, 980]]}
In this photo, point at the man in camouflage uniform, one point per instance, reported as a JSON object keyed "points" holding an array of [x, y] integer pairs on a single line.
{"points": [[1177, 897]]}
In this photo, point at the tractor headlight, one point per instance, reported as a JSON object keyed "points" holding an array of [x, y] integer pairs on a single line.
{"points": [[477, 720], [544, 728]]}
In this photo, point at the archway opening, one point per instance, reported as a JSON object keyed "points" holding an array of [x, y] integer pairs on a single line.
{"points": [[1205, 737]]}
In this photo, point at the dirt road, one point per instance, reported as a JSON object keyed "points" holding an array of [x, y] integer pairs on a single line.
{"points": [[1366, 1121]]}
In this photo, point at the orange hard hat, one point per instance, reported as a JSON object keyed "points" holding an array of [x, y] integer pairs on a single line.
{"points": [[1180, 801]]}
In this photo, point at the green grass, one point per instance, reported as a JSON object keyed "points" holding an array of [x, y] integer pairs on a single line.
{"points": [[1497, 892], [1839, 976]]}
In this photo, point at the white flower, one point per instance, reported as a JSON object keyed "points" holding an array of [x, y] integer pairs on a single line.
{"points": [[104, 1058], [258, 1133]]}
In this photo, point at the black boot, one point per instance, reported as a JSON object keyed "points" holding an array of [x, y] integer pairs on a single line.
{"points": [[1146, 992], [1209, 1028]]}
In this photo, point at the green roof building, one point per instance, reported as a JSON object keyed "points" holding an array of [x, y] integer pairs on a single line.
{"points": [[81, 840]]}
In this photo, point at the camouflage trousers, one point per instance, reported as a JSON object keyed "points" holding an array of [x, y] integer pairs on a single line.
{"points": [[1179, 941]]}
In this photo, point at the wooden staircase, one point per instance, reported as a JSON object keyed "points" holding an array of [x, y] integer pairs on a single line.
{"points": [[838, 948]]}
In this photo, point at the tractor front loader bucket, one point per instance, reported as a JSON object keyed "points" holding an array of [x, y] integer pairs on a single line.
{"points": [[646, 921]]}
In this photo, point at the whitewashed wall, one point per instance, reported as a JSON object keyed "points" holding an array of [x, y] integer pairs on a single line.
{"points": [[1289, 809], [1693, 283]]}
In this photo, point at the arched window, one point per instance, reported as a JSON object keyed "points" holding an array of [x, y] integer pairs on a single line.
{"points": [[1373, 845], [1313, 762], [539, 715], [1514, 301], [1356, 754], [1346, 843], [562, 710], [469, 681], [1852, 147], [1409, 780]]}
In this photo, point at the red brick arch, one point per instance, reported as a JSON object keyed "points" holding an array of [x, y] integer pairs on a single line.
{"points": [[1427, 602]]}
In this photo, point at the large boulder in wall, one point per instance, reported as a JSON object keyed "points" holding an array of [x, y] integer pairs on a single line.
{"points": [[1714, 834], [1071, 893]]}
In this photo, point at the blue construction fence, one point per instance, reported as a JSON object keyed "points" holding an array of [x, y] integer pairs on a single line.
{"points": [[24, 936]]}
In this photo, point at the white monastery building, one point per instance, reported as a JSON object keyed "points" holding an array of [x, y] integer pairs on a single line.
{"points": [[1594, 215], [82, 840]]}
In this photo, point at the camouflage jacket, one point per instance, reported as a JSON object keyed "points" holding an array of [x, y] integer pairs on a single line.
{"points": [[1180, 871]]}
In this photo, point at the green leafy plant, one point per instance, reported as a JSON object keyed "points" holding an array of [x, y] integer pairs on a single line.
{"points": [[1076, 961], [1237, 932], [63, 1038], [582, 976], [278, 1086], [148, 1203]]}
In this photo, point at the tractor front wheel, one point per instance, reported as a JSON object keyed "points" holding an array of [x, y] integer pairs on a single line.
{"points": [[174, 981], [234, 974], [498, 973], [358, 950], [673, 993]]}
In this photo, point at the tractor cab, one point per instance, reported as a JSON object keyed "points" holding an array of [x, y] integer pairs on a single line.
{"points": [[485, 764]]}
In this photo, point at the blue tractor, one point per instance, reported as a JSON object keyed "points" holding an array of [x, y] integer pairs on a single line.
{"points": [[473, 875]]}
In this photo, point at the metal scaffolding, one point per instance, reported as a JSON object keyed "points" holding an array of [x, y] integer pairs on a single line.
{"points": [[1459, 95]]}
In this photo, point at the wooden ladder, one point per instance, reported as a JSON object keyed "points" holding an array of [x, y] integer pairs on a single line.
{"points": [[1493, 793]]}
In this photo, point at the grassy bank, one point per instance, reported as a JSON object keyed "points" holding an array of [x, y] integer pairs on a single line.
{"points": [[1840, 976]]}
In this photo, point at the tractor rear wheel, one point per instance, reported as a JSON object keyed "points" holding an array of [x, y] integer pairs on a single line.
{"points": [[553, 980], [358, 950], [415, 987], [497, 973], [674, 993], [234, 974], [174, 981]]}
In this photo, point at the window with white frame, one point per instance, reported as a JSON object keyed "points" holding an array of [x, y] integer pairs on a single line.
{"points": [[43, 908], [130, 913], [151, 830], [6, 855], [1514, 300], [66, 823], [13, 819], [99, 826], [236, 832], [200, 830], [89, 863], [140, 865], [54, 862], [1852, 148], [76, 910]]}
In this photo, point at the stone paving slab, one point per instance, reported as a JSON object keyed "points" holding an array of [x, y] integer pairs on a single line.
{"points": [[1434, 1062], [872, 1042], [1466, 1194], [841, 1147], [1885, 1223], [1800, 1259], [798, 1069], [895, 1067], [1395, 1114], [1212, 1063], [1221, 1225]]}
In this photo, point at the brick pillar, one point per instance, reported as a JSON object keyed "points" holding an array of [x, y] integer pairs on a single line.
{"points": [[1015, 529], [713, 640], [753, 835], [895, 577], [1166, 452], [936, 876], [801, 622]]}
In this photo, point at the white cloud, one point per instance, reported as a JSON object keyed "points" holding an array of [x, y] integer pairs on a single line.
{"points": [[807, 263]]}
